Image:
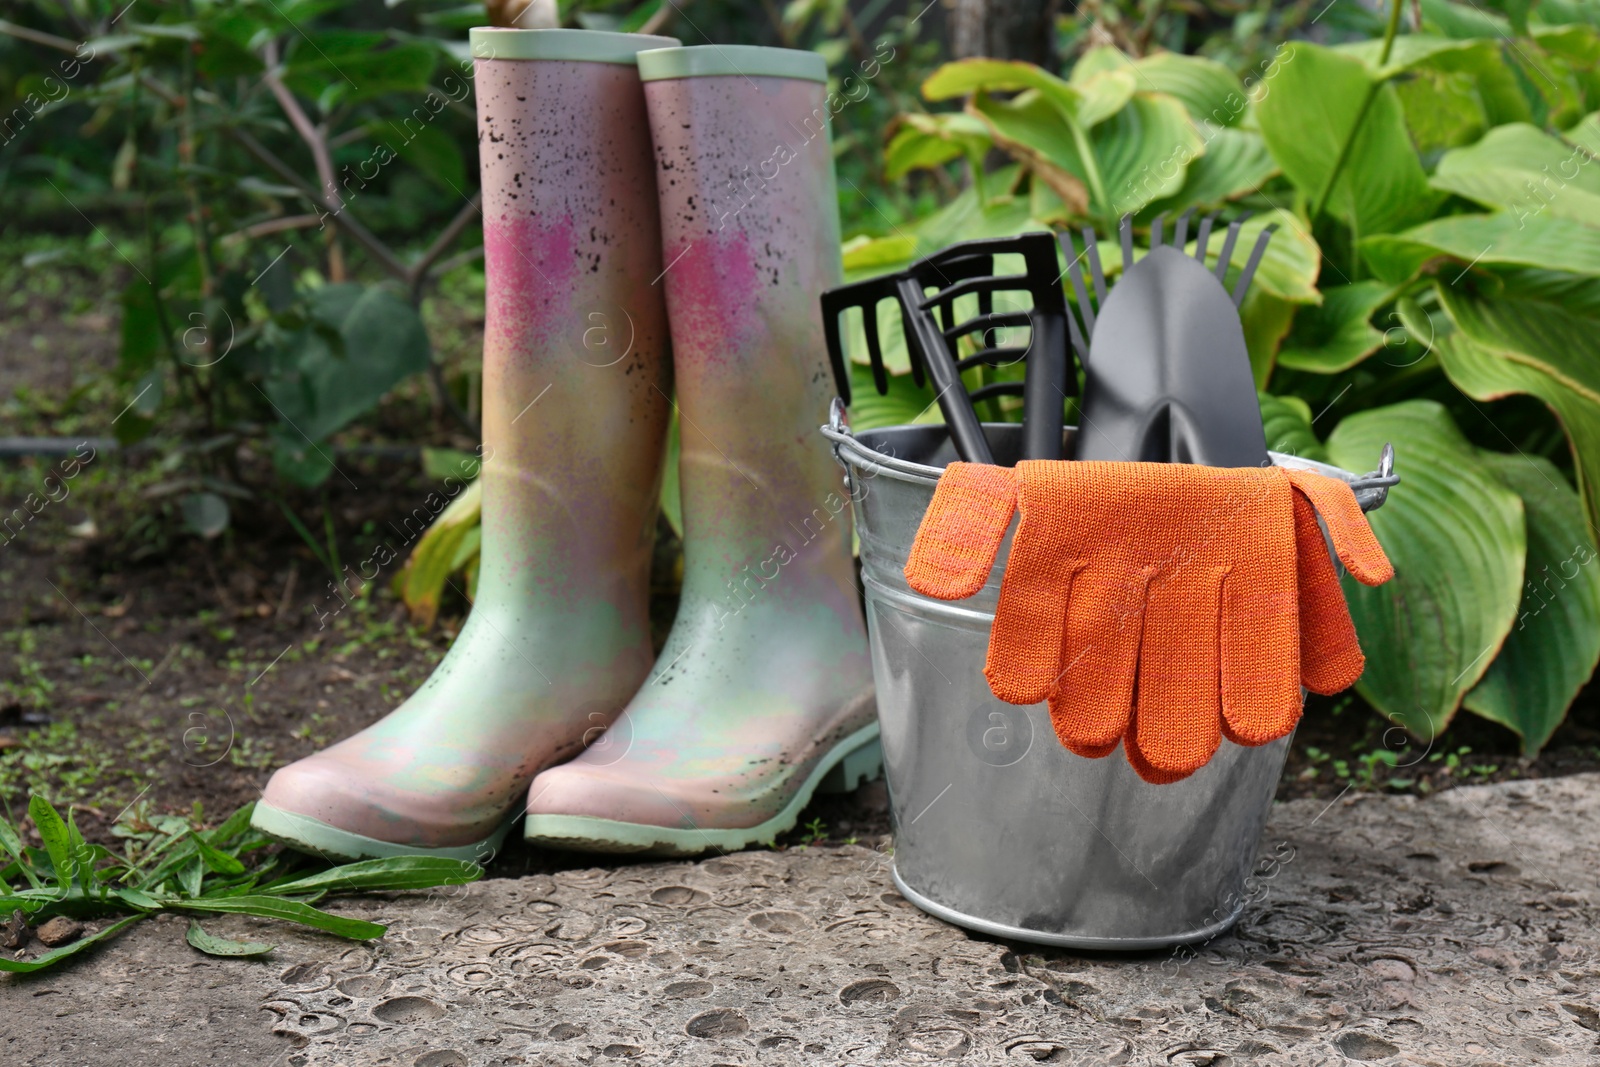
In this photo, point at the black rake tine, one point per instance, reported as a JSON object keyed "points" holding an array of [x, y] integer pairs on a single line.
{"points": [[869, 327], [1079, 344], [1157, 227], [1249, 272], [1203, 237], [1126, 230], [1180, 233], [1226, 255], [1096, 272], [1079, 290]]}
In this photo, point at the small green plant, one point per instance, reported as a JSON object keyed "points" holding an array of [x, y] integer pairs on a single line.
{"points": [[816, 833], [170, 863]]}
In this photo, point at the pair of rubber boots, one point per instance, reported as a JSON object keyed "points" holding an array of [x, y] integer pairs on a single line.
{"points": [[634, 190]]}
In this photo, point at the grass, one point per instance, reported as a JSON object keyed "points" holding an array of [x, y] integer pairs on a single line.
{"points": [[176, 864], [92, 772]]}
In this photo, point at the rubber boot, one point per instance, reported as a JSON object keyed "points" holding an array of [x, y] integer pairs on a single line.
{"points": [[764, 687], [576, 384]]}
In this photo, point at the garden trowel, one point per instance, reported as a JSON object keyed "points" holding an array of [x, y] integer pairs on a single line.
{"points": [[1168, 376]]}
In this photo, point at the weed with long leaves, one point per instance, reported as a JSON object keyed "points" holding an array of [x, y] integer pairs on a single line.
{"points": [[171, 864]]}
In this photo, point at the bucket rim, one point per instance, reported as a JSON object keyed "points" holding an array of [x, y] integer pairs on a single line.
{"points": [[1371, 489]]}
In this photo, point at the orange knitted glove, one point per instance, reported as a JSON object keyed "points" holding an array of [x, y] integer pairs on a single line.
{"points": [[1165, 605]]}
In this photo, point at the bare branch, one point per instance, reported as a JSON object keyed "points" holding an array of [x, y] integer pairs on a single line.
{"points": [[315, 137], [441, 245], [337, 215], [49, 40]]}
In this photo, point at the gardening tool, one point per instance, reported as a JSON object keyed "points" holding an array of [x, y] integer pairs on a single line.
{"points": [[575, 412], [765, 689], [1168, 376], [997, 826], [957, 271], [1186, 594]]}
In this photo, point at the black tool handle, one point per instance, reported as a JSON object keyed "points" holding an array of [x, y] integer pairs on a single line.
{"points": [[966, 432]]}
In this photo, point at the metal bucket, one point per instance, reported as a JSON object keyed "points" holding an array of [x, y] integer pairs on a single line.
{"points": [[997, 827]]}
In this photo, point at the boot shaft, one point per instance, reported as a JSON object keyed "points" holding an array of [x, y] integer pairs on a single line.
{"points": [[750, 238], [576, 374]]}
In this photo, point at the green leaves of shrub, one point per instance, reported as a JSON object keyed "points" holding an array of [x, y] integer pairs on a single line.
{"points": [[1307, 113], [173, 866], [1554, 645], [1456, 537], [354, 344]]}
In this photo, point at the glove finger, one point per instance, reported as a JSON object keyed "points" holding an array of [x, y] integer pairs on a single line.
{"points": [[1330, 655], [1092, 699], [1353, 539], [1260, 641], [961, 531], [1142, 767], [1026, 638], [1090, 751], [1178, 722]]}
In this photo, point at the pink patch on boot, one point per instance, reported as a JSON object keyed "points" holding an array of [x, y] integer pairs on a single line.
{"points": [[712, 285], [532, 268]]}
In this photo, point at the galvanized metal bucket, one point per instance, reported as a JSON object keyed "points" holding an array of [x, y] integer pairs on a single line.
{"points": [[998, 828]]}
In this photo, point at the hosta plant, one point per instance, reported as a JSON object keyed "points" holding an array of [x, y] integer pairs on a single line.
{"points": [[1434, 283]]}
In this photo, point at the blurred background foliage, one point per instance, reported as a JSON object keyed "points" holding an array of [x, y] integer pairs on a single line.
{"points": [[284, 193]]}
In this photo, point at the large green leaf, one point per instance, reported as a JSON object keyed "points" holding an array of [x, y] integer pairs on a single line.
{"points": [[1141, 152], [1500, 239], [905, 402], [967, 217], [1455, 535], [433, 557], [339, 66], [1234, 163], [1409, 51], [1526, 172], [361, 341], [1454, 69], [1339, 334], [1518, 345], [1306, 116], [965, 77], [428, 148], [1289, 267], [1287, 421], [931, 140], [1463, 21], [1552, 650], [1144, 150], [1034, 132], [1442, 111], [1102, 92], [1266, 319], [1210, 91]]}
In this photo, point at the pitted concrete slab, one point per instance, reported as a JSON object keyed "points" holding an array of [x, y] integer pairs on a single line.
{"points": [[1454, 930]]}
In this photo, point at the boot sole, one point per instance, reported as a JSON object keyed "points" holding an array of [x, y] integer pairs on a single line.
{"points": [[317, 837], [856, 759]]}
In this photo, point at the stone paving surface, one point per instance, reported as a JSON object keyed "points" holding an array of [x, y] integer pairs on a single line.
{"points": [[1454, 930]]}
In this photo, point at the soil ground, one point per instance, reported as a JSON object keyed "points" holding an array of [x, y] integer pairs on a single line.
{"points": [[1458, 929]]}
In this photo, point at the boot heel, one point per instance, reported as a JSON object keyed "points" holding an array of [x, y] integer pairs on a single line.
{"points": [[862, 765]]}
